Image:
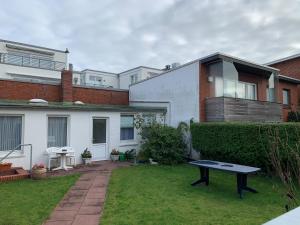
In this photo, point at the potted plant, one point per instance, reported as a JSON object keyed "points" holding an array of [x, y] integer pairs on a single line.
{"points": [[114, 155], [5, 166], [38, 171], [86, 156]]}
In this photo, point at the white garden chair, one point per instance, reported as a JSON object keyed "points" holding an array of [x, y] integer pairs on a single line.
{"points": [[51, 156]]}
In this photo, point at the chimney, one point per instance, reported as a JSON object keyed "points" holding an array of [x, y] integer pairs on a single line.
{"points": [[67, 86]]}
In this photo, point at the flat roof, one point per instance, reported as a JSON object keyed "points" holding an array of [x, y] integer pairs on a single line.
{"points": [[30, 45], [289, 79], [284, 59], [138, 67], [212, 57], [10, 104]]}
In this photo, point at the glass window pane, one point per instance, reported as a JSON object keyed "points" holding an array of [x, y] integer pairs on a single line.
{"points": [[241, 90], [251, 92], [57, 131], [127, 127], [10, 132], [218, 87], [285, 97], [99, 131], [229, 88], [149, 119], [126, 121]]}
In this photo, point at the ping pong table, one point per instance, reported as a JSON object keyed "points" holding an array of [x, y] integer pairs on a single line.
{"points": [[240, 170]]}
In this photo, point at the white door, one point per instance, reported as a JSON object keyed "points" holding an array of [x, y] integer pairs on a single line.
{"points": [[99, 139]]}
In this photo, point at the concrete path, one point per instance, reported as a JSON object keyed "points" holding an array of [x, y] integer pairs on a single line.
{"points": [[83, 203]]}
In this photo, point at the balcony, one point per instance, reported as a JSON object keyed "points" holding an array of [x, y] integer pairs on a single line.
{"points": [[235, 109], [25, 61]]}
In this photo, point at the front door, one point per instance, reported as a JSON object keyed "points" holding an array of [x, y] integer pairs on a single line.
{"points": [[99, 139]]}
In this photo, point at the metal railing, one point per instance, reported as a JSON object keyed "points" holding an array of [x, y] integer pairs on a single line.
{"points": [[18, 148], [26, 61]]}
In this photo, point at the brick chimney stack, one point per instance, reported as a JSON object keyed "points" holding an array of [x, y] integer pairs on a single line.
{"points": [[67, 85]]}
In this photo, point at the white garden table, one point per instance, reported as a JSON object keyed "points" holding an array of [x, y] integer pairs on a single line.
{"points": [[62, 152]]}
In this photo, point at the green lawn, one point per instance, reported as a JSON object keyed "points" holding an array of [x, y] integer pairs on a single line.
{"points": [[163, 195], [29, 202]]}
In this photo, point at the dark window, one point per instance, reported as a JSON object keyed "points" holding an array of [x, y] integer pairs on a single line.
{"points": [[99, 131]]}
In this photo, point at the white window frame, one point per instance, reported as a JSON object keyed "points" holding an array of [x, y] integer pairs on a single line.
{"points": [[68, 126], [17, 152], [134, 129], [133, 78]]}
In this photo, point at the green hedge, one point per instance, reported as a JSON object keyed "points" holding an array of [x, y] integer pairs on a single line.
{"points": [[244, 143]]}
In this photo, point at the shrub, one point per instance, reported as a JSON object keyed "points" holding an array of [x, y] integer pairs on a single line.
{"points": [[243, 143], [293, 116], [162, 143]]}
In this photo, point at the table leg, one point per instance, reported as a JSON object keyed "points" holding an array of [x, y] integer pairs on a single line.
{"points": [[242, 184], [204, 176]]}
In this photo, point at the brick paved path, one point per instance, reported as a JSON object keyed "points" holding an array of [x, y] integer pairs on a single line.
{"points": [[83, 203]]}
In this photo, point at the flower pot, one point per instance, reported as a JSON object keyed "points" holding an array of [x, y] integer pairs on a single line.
{"points": [[5, 166], [38, 174], [114, 157], [87, 161]]}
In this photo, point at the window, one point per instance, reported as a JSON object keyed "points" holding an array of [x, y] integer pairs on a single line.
{"points": [[127, 127], [10, 132], [57, 131], [286, 96], [133, 78], [99, 131], [250, 91], [149, 119], [235, 89], [229, 88], [95, 80]]}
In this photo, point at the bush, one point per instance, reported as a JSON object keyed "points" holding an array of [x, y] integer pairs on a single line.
{"points": [[163, 144], [293, 116], [244, 143]]}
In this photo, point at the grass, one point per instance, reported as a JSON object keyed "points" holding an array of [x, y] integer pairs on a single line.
{"points": [[163, 195], [30, 202]]}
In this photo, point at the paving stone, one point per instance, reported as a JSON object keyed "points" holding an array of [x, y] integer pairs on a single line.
{"points": [[63, 215], [90, 210], [69, 222], [86, 220], [76, 199], [93, 202], [68, 206]]}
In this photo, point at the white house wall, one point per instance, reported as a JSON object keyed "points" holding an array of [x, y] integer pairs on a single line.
{"points": [[141, 72], [178, 89], [35, 130]]}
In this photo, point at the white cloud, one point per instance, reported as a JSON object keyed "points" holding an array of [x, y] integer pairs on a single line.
{"points": [[114, 35]]}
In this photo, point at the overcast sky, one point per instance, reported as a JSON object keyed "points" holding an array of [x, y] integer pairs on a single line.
{"points": [[115, 35]]}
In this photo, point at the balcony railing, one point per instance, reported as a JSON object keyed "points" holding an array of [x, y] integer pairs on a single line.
{"points": [[26, 61], [236, 109]]}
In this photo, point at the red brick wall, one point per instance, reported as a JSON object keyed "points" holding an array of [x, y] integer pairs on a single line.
{"points": [[66, 92], [100, 96], [293, 97], [15, 90], [289, 68], [66, 86]]}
